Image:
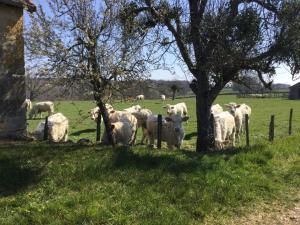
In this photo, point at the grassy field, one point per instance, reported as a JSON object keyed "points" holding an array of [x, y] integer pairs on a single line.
{"points": [[44, 183], [83, 127]]}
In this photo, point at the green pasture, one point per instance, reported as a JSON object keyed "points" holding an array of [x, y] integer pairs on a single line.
{"points": [[67, 184], [81, 126]]}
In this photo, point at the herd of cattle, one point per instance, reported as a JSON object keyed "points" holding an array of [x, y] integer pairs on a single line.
{"points": [[228, 125]]}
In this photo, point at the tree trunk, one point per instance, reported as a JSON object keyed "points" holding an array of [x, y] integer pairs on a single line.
{"points": [[204, 101], [203, 122], [173, 97], [106, 121]]}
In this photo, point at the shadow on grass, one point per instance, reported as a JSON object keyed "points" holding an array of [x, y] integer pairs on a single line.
{"points": [[77, 133], [22, 163], [124, 159], [193, 161], [14, 177], [190, 136]]}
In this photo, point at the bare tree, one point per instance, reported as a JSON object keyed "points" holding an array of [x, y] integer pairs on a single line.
{"points": [[84, 40], [216, 40]]}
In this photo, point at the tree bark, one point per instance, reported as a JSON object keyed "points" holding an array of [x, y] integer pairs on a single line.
{"points": [[106, 121], [203, 105], [203, 122], [173, 96]]}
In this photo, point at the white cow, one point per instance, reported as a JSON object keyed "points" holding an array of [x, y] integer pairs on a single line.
{"points": [[40, 107], [140, 97], [95, 111], [142, 117], [27, 104], [172, 130], [179, 109], [58, 127], [216, 109], [237, 113], [163, 97], [245, 109], [122, 116], [132, 109], [224, 130], [122, 132]]}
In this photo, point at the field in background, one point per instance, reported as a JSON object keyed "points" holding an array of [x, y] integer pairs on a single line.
{"points": [[83, 127]]}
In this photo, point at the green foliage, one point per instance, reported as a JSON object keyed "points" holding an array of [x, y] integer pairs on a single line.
{"points": [[246, 31]]}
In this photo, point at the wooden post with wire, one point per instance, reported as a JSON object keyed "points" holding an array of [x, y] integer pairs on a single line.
{"points": [[46, 131], [159, 128], [271, 128], [247, 130], [290, 121]]}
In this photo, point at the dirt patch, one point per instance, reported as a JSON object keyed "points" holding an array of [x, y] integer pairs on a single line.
{"points": [[276, 213]]}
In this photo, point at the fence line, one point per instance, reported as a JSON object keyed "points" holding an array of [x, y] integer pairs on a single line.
{"points": [[271, 132]]}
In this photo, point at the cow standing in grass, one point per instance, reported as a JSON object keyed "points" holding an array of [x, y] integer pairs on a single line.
{"points": [[40, 107], [172, 130]]}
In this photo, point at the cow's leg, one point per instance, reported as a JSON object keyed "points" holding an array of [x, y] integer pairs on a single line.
{"points": [[144, 135]]}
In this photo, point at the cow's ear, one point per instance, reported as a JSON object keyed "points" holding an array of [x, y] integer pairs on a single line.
{"points": [[112, 127], [169, 119], [112, 111], [238, 106], [185, 118]]}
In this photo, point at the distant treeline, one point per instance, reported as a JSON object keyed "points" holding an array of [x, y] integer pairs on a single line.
{"points": [[51, 89]]}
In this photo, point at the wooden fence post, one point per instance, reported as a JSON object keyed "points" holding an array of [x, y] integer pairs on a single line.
{"points": [[46, 129], [290, 121], [271, 128], [98, 128], [247, 130], [211, 132], [159, 126]]}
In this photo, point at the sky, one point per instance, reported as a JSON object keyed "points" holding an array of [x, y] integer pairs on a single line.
{"points": [[282, 72]]}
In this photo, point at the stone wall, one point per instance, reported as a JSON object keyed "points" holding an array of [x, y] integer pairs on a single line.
{"points": [[12, 79]]}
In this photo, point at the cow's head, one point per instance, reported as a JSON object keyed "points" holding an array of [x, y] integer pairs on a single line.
{"points": [[176, 121], [170, 109], [232, 108]]}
